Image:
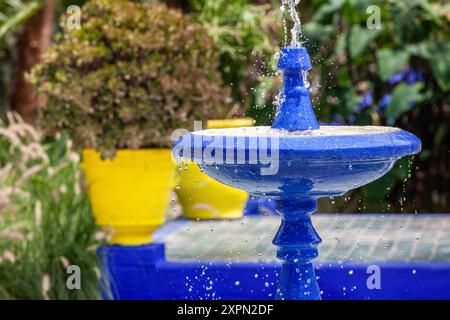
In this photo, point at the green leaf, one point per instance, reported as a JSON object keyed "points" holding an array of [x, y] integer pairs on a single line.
{"points": [[390, 61], [317, 32], [340, 45], [438, 56], [13, 13], [430, 11], [349, 100], [360, 5], [328, 8], [360, 39], [402, 98]]}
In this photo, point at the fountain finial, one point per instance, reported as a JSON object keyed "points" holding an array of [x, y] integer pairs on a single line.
{"points": [[295, 112]]}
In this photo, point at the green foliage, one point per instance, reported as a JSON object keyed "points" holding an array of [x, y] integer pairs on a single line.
{"points": [[398, 74], [359, 39], [130, 76], [15, 12], [391, 61], [246, 34], [402, 97], [45, 220], [437, 53]]}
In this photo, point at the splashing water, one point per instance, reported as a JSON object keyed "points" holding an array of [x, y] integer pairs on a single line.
{"points": [[296, 29], [305, 79]]}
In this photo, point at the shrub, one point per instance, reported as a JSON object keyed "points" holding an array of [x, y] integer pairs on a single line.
{"points": [[130, 75]]}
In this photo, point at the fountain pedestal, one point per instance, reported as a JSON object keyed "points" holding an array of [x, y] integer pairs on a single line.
{"points": [[295, 112], [297, 242], [307, 162]]}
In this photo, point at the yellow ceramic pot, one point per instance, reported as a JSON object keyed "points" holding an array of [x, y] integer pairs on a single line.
{"points": [[130, 194], [204, 198]]}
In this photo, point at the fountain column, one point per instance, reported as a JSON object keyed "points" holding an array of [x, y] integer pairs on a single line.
{"points": [[296, 239], [297, 242]]}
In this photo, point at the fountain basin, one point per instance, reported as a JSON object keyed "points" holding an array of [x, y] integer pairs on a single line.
{"points": [[318, 163], [295, 169], [239, 259]]}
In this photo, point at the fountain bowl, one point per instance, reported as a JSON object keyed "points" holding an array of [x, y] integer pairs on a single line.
{"points": [[319, 163]]}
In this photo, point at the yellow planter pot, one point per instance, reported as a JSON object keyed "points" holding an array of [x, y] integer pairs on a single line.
{"points": [[130, 194], [204, 198]]}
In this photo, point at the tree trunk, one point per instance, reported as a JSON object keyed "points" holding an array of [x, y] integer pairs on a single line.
{"points": [[31, 45]]}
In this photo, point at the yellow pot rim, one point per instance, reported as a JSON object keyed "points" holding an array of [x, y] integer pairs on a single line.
{"points": [[92, 155], [127, 151], [230, 123]]}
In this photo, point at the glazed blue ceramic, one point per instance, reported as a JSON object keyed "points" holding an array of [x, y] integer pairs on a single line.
{"points": [[306, 163]]}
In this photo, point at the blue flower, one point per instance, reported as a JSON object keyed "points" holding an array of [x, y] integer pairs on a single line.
{"points": [[337, 120], [351, 119], [365, 101], [414, 76], [384, 102], [397, 77], [409, 76]]}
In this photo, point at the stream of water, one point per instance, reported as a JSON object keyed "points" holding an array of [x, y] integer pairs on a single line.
{"points": [[296, 29]]}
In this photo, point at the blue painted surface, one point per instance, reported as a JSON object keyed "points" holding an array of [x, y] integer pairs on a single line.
{"points": [[308, 167], [142, 272], [259, 206], [297, 242], [296, 111]]}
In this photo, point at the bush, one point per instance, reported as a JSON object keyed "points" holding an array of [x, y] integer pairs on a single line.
{"points": [[129, 76]]}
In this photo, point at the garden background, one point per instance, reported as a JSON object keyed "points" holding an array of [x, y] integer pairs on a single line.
{"points": [[396, 75]]}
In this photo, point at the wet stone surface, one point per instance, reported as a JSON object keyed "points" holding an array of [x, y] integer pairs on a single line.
{"points": [[346, 238]]}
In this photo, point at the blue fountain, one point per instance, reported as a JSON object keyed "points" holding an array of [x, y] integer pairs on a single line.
{"points": [[307, 162]]}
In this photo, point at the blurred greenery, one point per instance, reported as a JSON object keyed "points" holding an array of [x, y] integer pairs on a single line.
{"points": [[13, 13], [247, 35], [397, 75], [130, 76], [45, 220]]}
